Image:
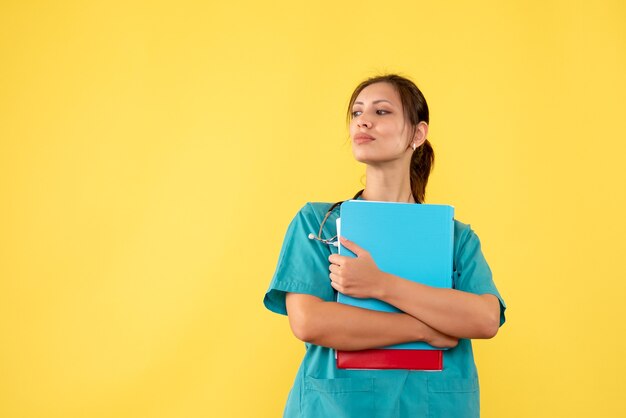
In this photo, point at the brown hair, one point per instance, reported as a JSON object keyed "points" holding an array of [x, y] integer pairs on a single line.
{"points": [[415, 111]]}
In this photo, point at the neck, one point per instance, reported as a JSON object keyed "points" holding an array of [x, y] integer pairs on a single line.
{"points": [[388, 184]]}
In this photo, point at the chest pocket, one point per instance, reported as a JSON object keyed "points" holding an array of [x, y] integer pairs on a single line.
{"points": [[453, 398], [351, 398], [341, 398]]}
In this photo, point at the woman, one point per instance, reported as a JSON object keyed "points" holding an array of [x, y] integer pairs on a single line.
{"points": [[388, 119]]}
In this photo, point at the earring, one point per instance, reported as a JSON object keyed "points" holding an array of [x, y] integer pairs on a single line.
{"points": [[413, 145]]}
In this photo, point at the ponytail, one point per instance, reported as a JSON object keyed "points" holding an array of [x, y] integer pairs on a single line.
{"points": [[422, 162]]}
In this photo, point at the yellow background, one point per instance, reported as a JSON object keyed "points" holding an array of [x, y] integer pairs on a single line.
{"points": [[153, 153]]}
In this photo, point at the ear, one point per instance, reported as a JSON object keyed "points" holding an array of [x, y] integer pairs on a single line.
{"points": [[421, 132]]}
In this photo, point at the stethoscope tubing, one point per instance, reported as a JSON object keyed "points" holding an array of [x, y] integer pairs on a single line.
{"points": [[333, 240]]}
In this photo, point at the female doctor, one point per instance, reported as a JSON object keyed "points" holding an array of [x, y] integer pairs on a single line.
{"points": [[388, 119]]}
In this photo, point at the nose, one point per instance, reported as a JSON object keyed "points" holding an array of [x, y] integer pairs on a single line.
{"points": [[362, 123]]}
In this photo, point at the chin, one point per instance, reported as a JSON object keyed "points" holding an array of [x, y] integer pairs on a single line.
{"points": [[367, 160], [367, 156], [361, 156]]}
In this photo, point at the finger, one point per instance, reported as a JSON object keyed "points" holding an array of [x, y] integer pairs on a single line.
{"points": [[336, 278], [352, 247], [337, 287], [333, 268], [337, 259]]}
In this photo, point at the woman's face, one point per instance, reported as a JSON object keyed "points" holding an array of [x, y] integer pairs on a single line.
{"points": [[378, 128]]}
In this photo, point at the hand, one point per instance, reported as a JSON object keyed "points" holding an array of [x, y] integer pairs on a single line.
{"points": [[439, 340], [357, 277]]}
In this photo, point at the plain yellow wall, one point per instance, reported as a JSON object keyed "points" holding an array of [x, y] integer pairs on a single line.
{"points": [[152, 155]]}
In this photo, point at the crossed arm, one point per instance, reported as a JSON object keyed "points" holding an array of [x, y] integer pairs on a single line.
{"points": [[437, 316]]}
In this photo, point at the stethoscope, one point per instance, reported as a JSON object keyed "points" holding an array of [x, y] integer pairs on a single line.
{"points": [[333, 240]]}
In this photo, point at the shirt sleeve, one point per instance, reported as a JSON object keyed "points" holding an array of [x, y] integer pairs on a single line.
{"points": [[302, 264], [472, 273]]}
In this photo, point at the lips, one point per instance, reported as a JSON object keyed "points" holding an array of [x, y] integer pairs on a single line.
{"points": [[361, 138]]}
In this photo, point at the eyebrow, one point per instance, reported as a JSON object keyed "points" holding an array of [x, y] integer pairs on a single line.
{"points": [[376, 101]]}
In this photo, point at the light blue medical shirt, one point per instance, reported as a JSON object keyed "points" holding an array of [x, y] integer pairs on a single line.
{"points": [[322, 390]]}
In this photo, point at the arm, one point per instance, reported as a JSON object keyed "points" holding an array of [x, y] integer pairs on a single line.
{"points": [[452, 312], [343, 327]]}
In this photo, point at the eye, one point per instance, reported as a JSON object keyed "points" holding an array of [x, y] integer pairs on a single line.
{"points": [[356, 113], [382, 112]]}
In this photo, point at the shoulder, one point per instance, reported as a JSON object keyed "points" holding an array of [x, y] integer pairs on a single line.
{"points": [[314, 210], [310, 215], [461, 230], [464, 237]]}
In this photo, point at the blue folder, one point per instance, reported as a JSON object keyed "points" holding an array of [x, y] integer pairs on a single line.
{"points": [[412, 241]]}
